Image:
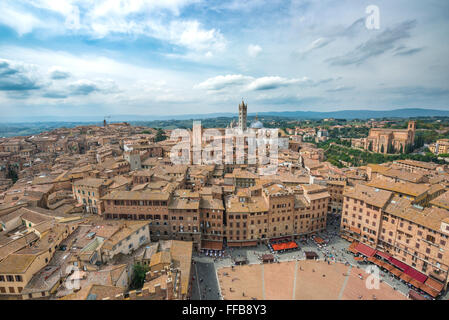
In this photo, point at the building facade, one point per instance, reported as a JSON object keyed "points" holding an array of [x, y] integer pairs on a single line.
{"points": [[381, 140], [417, 236]]}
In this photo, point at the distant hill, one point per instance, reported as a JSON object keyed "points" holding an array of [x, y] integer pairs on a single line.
{"points": [[343, 114], [362, 114]]}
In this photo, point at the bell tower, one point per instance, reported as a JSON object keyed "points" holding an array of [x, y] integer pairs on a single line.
{"points": [[242, 115], [411, 131]]}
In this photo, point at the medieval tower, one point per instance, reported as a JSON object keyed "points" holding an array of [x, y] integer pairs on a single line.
{"points": [[242, 116]]}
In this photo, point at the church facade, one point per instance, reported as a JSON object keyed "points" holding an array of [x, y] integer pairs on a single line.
{"points": [[385, 141]]}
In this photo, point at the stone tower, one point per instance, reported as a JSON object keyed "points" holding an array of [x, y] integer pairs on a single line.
{"points": [[412, 129], [242, 116], [133, 158]]}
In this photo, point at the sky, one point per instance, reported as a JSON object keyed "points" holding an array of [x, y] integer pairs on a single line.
{"points": [[165, 57]]}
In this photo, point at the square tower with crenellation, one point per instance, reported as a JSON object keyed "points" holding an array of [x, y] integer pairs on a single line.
{"points": [[242, 116]]}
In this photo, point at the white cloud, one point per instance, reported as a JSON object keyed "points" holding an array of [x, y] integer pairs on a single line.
{"points": [[21, 22], [314, 45], [92, 78], [114, 7], [248, 83], [20, 77], [85, 87], [191, 35], [267, 83], [254, 50], [58, 73], [99, 19], [222, 82]]}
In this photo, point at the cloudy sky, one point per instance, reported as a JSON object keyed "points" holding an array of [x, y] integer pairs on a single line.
{"points": [[159, 57]]}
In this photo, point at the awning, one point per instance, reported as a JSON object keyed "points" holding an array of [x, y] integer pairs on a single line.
{"points": [[415, 274], [359, 258], [383, 254], [399, 264], [249, 244], [405, 277], [376, 261], [396, 272], [211, 245], [381, 263], [415, 283], [387, 266], [319, 240], [365, 250], [415, 295], [434, 284], [234, 244], [431, 291], [268, 257], [311, 255], [281, 238], [284, 246], [352, 247]]}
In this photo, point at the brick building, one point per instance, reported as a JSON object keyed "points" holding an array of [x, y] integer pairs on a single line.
{"points": [[412, 234]]}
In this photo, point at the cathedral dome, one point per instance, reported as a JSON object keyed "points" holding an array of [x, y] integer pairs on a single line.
{"points": [[256, 125]]}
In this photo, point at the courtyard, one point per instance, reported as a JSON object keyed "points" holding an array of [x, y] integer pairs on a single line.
{"points": [[301, 280], [334, 275]]}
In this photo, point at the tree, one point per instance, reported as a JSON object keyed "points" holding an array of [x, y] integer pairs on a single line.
{"points": [[408, 148], [12, 174], [139, 273], [401, 149], [160, 135]]}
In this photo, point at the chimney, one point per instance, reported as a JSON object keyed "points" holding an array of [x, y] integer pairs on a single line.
{"points": [[311, 179], [170, 293]]}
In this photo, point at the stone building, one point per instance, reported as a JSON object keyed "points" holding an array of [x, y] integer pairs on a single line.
{"points": [[415, 236], [381, 140]]}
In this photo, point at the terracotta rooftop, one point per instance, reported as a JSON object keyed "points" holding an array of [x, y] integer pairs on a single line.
{"points": [[420, 164], [441, 201], [137, 195], [181, 252], [182, 203], [370, 195], [16, 263], [127, 229], [428, 217], [92, 182], [408, 188]]}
